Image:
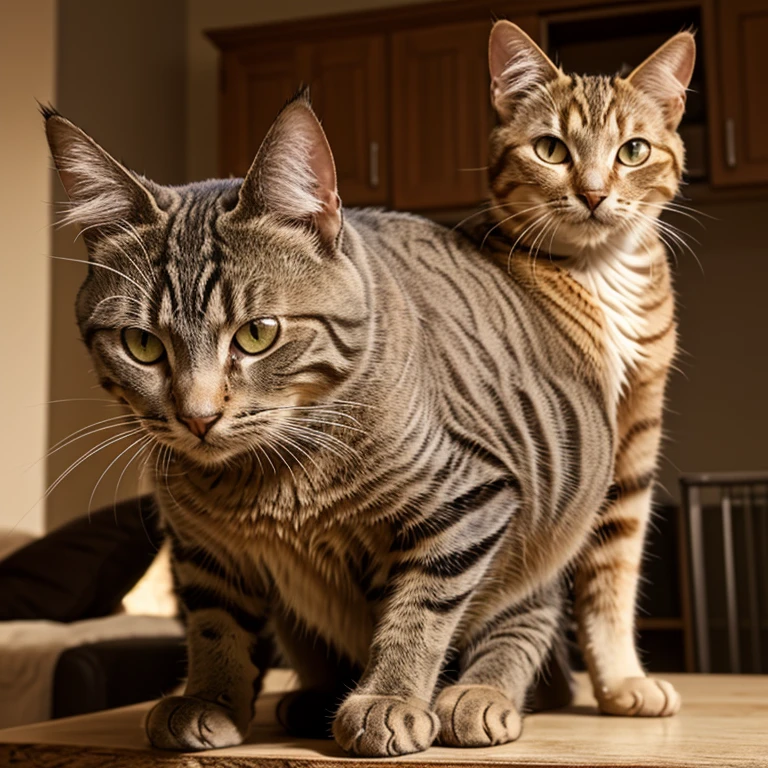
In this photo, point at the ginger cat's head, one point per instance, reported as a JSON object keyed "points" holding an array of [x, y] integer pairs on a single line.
{"points": [[578, 161]]}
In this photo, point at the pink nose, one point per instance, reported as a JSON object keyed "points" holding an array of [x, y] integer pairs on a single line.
{"points": [[592, 199], [200, 425]]}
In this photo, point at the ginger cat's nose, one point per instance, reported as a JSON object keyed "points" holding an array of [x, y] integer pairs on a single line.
{"points": [[592, 199]]}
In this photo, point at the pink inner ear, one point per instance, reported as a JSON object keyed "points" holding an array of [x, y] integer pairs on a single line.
{"points": [[666, 74], [320, 159]]}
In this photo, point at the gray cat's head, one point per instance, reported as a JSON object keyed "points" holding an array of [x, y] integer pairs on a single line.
{"points": [[215, 310], [579, 159]]}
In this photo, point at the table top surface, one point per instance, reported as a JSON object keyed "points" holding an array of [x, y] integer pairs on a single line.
{"points": [[724, 722]]}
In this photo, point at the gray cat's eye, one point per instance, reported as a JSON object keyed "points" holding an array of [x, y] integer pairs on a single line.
{"points": [[257, 335], [634, 152], [552, 150], [144, 347]]}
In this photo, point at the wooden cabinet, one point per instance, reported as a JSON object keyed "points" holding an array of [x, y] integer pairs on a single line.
{"points": [[254, 86], [349, 93], [740, 114], [403, 92], [440, 116]]}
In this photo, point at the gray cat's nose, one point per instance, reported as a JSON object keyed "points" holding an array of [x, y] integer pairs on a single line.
{"points": [[199, 425], [592, 199]]}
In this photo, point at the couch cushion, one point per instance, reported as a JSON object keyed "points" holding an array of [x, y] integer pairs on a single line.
{"points": [[83, 569]]}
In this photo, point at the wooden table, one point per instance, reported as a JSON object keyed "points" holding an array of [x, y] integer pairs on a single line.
{"points": [[724, 722]]}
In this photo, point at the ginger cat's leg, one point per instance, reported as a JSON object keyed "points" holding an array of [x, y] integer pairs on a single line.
{"points": [[609, 570]]}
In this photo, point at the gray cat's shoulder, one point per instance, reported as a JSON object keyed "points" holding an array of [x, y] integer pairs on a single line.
{"points": [[396, 225]]}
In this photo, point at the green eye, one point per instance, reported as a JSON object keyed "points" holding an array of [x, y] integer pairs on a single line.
{"points": [[634, 152], [143, 346], [551, 150], [257, 336]]}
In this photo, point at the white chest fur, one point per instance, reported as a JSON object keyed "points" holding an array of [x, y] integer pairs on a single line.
{"points": [[619, 280]]}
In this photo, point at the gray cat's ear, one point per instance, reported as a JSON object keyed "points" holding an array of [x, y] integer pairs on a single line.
{"points": [[293, 176], [102, 191], [517, 66], [665, 75]]}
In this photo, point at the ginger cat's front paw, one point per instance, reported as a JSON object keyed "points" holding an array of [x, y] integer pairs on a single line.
{"points": [[384, 726], [476, 716], [187, 723], [639, 697]]}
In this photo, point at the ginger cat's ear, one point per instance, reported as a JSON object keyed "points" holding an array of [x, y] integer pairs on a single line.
{"points": [[293, 175], [517, 65], [665, 75]]}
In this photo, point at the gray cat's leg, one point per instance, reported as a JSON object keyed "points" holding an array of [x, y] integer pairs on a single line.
{"points": [[224, 676], [505, 652], [440, 563], [326, 677]]}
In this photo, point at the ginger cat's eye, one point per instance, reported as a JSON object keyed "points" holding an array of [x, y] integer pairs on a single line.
{"points": [[143, 346], [257, 335], [634, 152], [551, 150]]}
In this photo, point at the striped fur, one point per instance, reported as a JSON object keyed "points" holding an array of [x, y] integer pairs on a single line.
{"points": [[617, 253], [399, 480]]}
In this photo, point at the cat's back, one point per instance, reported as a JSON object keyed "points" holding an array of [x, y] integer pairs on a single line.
{"points": [[518, 315], [510, 358]]}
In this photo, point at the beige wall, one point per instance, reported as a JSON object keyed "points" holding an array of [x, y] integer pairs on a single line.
{"points": [[27, 43], [718, 399], [120, 76], [202, 68]]}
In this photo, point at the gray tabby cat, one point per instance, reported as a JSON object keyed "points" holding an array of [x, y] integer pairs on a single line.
{"points": [[370, 440]]}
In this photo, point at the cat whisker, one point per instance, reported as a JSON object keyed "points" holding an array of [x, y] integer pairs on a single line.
{"points": [[110, 269], [486, 209], [308, 456], [92, 452], [272, 447], [328, 423], [122, 453], [74, 437], [509, 218], [521, 235], [127, 227]]}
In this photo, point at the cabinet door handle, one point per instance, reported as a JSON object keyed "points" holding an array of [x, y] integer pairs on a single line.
{"points": [[730, 143], [373, 164]]}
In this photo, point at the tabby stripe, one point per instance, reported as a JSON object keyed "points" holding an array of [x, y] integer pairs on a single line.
{"points": [[632, 485], [447, 515], [455, 563], [571, 450], [638, 428], [617, 528], [501, 162], [543, 460], [210, 284], [197, 598], [656, 336], [330, 327], [445, 605]]}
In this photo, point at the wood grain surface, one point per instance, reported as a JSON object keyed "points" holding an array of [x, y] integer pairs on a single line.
{"points": [[724, 722]]}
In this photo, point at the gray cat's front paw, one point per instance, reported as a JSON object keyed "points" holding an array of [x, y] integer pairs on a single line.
{"points": [[188, 723], [476, 716], [384, 726]]}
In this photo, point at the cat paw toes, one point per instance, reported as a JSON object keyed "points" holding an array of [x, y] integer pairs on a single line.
{"points": [[384, 726], [639, 697], [188, 723], [476, 716]]}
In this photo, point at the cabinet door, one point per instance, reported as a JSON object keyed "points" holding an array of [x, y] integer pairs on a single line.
{"points": [[255, 85], [349, 93], [440, 116], [739, 148]]}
